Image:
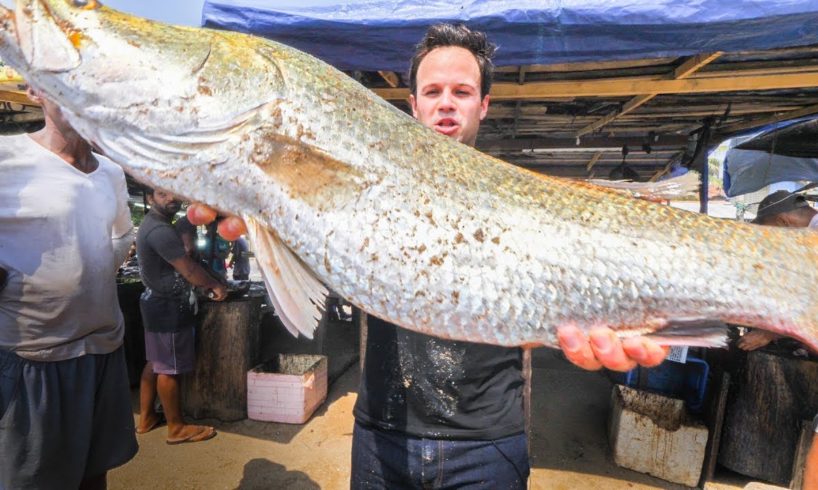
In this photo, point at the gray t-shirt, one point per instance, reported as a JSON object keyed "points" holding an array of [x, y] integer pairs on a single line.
{"points": [[158, 243]]}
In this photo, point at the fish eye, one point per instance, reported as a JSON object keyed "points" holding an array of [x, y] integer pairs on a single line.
{"points": [[85, 4]]}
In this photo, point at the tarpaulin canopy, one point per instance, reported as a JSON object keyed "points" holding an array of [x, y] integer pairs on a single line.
{"points": [[777, 153], [799, 139], [380, 35]]}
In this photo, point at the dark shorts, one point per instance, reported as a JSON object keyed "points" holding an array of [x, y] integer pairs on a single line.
{"points": [[382, 459], [63, 421], [171, 353], [166, 313]]}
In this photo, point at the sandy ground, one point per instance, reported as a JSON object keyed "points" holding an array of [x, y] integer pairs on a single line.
{"points": [[569, 448]]}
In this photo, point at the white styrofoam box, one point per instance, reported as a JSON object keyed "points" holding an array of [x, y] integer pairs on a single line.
{"points": [[653, 434], [287, 390]]}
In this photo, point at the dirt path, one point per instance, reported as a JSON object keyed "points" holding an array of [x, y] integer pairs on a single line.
{"points": [[569, 448]]}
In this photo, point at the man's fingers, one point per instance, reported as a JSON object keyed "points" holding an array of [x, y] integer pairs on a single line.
{"points": [[231, 228], [755, 340], [576, 348], [200, 214], [608, 350], [219, 293], [645, 351]]}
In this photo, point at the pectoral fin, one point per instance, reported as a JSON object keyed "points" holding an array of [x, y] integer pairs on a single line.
{"points": [[694, 332], [297, 295]]}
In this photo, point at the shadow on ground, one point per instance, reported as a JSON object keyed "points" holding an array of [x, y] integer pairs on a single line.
{"points": [[263, 474]]}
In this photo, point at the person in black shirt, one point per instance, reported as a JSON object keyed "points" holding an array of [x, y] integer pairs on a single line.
{"points": [[447, 414], [168, 272]]}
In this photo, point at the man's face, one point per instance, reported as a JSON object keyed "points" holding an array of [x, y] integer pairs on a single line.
{"points": [[165, 203], [448, 94]]}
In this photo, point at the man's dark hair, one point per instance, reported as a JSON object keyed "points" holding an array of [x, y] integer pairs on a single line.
{"points": [[445, 35], [148, 190]]}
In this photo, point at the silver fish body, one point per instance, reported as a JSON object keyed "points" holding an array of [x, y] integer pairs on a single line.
{"points": [[407, 224]]}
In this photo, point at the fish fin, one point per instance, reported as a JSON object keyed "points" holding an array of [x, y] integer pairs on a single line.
{"points": [[694, 332], [45, 47], [297, 294], [673, 188]]}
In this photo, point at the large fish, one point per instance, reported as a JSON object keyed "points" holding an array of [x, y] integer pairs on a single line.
{"points": [[342, 189]]}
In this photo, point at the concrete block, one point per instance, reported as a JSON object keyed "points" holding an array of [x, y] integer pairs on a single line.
{"points": [[653, 434]]}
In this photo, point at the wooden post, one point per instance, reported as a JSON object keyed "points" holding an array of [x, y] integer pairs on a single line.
{"points": [[804, 443], [363, 326], [227, 345], [715, 424], [771, 396], [527, 394]]}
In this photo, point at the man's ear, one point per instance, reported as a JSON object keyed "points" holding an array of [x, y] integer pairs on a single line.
{"points": [[484, 107], [784, 220], [413, 103]]}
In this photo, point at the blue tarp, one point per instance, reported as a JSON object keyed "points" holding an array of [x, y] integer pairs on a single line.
{"points": [[747, 171], [380, 35]]}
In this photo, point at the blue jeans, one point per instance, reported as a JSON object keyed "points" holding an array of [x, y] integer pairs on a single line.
{"points": [[390, 460]]}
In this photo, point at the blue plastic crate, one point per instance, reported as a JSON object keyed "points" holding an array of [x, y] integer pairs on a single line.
{"points": [[686, 381]]}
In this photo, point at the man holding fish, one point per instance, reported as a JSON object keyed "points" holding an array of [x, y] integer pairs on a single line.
{"points": [[432, 409]]}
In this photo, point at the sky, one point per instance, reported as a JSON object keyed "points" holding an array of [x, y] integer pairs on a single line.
{"points": [[184, 12]]}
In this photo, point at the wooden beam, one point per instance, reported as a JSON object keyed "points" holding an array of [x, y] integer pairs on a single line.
{"points": [[630, 86], [593, 161], [591, 143], [586, 66], [392, 78], [694, 64], [690, 66], [16, 97], [519, 104], [783, 116], [628, 107]]}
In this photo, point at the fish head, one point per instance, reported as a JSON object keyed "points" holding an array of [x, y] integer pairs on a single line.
{"points": [[118, 79], [74, 49]]}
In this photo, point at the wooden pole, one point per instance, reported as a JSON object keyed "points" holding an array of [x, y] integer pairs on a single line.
{"points": [[527, 395]]}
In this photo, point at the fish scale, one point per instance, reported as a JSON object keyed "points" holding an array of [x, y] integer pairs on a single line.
{"points": [[342, 189]]}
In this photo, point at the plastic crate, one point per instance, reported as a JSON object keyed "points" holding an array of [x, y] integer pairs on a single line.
{"points": [[288, 389], [687, 381]]}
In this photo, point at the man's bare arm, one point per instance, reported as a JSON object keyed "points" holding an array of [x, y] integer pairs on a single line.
{"points": [[196, 275]]}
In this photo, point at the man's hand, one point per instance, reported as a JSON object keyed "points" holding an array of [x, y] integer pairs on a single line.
{"points": [[217, 291], [198, 276], [230, 227], [756, 339], [602, 348]]}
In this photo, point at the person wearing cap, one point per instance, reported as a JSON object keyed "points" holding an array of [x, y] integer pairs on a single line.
{"points": [[784, 209], [787, 209]]}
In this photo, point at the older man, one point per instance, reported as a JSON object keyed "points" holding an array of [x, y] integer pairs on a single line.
{"points": [[65, 227]]}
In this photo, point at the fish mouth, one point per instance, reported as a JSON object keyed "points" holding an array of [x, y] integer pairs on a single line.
{"points": [[446, 126], [8, 34], [34, 40]]}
